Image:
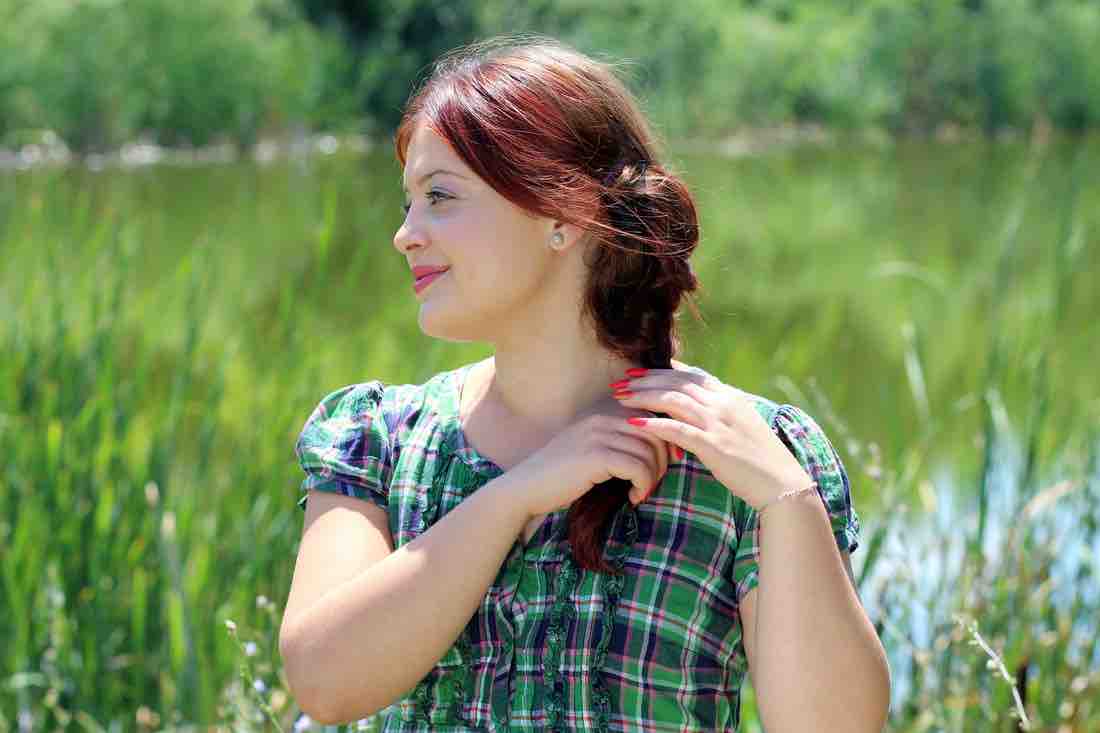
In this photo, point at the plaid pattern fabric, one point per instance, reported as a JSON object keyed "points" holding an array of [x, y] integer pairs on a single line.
{"points": [[553, 646]]}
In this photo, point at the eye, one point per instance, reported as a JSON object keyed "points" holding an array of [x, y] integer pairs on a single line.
{"points": [[432, 196]]}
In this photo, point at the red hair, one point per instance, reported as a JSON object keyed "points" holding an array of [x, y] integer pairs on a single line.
{"points": [[559, 135]]}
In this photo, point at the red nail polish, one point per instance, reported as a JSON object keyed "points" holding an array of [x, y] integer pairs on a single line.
{"points": [[639, 421], [620, 383], [636, 372], [623, 393]]}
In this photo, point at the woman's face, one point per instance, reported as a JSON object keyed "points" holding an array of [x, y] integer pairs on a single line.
{"points": [[497, 254]]}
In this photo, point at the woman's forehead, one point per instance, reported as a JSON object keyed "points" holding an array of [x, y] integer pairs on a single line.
{"points": [[427, 152]]}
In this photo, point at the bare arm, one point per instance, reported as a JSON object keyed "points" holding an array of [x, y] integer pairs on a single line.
{"points": [[368, 641], [812, 625]]}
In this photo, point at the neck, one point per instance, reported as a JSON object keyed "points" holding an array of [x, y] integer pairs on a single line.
{"points": [[548, 370], [540, 393]]}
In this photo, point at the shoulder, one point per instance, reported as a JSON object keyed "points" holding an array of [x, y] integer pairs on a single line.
{"points": [[808, 442], [804, 438], [346, 407], [375, 399], [344, 419], [351, 399]]}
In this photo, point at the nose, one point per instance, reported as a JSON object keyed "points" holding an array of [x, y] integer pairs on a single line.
{"points": [[407, 237]]}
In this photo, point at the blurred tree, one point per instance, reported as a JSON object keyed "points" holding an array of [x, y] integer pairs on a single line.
{"points": [[395, 41], [664, 51], [101, 72]]}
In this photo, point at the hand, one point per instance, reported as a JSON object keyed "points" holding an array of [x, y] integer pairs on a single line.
{"points": [[599, 445], [719, 424]]}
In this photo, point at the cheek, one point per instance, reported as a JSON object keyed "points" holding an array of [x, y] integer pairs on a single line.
{"points": [[494, 285], [497, 256]]}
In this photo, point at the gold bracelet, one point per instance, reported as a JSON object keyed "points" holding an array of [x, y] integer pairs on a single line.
{"points": [[786, 495]]}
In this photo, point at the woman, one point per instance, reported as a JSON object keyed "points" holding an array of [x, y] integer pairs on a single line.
{"points": [[507, 546]]}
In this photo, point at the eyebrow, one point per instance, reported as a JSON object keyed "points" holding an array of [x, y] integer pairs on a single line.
{"points": [[426, 176]]}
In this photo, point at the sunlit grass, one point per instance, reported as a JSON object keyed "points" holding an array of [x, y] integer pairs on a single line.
{"points": [[168, 334]]}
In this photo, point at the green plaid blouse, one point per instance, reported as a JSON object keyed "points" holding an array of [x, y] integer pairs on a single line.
{"points": [[554, 646]]}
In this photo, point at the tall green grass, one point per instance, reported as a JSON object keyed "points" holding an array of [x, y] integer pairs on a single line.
{"points": [[161, 351]]}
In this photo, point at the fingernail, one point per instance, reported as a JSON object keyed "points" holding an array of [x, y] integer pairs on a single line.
{"points": [[636, 372], [620, 383], [679, 452], [624, 393]]}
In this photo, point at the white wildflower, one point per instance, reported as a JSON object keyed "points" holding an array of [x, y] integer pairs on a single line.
{"points": [[168, 525]]}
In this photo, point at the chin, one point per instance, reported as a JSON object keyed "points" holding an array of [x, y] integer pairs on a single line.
{"points": [[438, 326]]}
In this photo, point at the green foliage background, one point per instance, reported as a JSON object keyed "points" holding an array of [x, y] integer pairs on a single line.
{"points": [[161, 323], [168, 329], [100, 72]]}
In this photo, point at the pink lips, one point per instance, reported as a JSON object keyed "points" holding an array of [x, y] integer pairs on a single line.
{"points": [[427, 280]]}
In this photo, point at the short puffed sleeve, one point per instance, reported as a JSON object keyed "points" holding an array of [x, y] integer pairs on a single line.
{"points": [[809, 444], [345, 445]]}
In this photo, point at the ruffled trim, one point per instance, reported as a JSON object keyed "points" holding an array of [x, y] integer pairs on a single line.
{"points": [[563, 610], [463, 678], [455, 684], [422, 701], [555, 641], [600, 694]]}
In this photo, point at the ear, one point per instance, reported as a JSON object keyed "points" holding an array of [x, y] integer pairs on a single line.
{"points": [[573, 234]]}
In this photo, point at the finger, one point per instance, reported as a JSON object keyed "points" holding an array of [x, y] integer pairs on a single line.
{"points": [[668, 451], [647, 449], [631, 459], [691, 385], [665, 457], [663, 451], [701, 379], [687, 437], [679, 366], [659, 464], [672, 402], [660, 451]]}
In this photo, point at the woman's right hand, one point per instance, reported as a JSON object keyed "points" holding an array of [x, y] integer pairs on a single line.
{"points": [[598, 446]]}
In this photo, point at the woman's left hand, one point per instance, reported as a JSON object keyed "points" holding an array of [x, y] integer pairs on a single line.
{"points": [[721, 427]]}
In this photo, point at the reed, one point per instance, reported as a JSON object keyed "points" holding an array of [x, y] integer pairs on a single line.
{"points": [[160, 358]]}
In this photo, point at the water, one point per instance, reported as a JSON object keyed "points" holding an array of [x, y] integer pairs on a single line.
{"points": [[876, 287]]}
